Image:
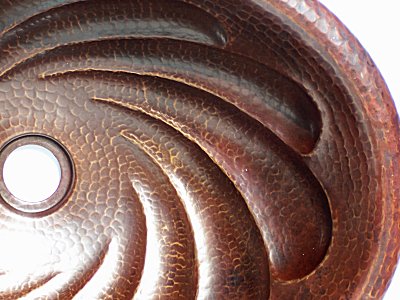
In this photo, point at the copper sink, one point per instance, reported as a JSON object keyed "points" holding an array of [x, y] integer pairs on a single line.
{"points": [[208, 149]]}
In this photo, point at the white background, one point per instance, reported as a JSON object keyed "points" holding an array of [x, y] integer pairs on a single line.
{"points": [[377, 25]]}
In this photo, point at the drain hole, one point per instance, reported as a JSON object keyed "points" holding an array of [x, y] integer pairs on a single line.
{"points": [[32, 173]]}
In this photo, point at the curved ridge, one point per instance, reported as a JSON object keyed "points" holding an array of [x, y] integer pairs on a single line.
{"points": [[83, 22], [17, 11], [170, 268], [225, 234], [137, 56], [275, 101], [255, 162], [207, 136]]}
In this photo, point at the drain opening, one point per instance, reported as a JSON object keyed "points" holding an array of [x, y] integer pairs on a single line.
{"points": [[32, 173], [36, 174]]}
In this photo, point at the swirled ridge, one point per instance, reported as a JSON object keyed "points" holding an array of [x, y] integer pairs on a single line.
{"points": [[198, 168]]}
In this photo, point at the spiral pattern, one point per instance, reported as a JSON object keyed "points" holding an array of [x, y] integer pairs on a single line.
{"points": [[215, 150]]}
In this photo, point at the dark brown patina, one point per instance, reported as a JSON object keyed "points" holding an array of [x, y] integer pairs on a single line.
{"points": [[211, 149]]}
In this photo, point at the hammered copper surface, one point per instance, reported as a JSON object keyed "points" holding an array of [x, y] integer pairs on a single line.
{"points": [[215, 149]]}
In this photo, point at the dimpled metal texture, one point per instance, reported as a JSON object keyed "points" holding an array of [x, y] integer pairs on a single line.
{"points": [[220, 150]]}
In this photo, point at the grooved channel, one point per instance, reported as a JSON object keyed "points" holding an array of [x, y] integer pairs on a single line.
{"points": [[206, 151]]}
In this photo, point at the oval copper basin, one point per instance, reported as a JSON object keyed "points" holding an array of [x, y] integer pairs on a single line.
{"points": [[208, 149]]}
